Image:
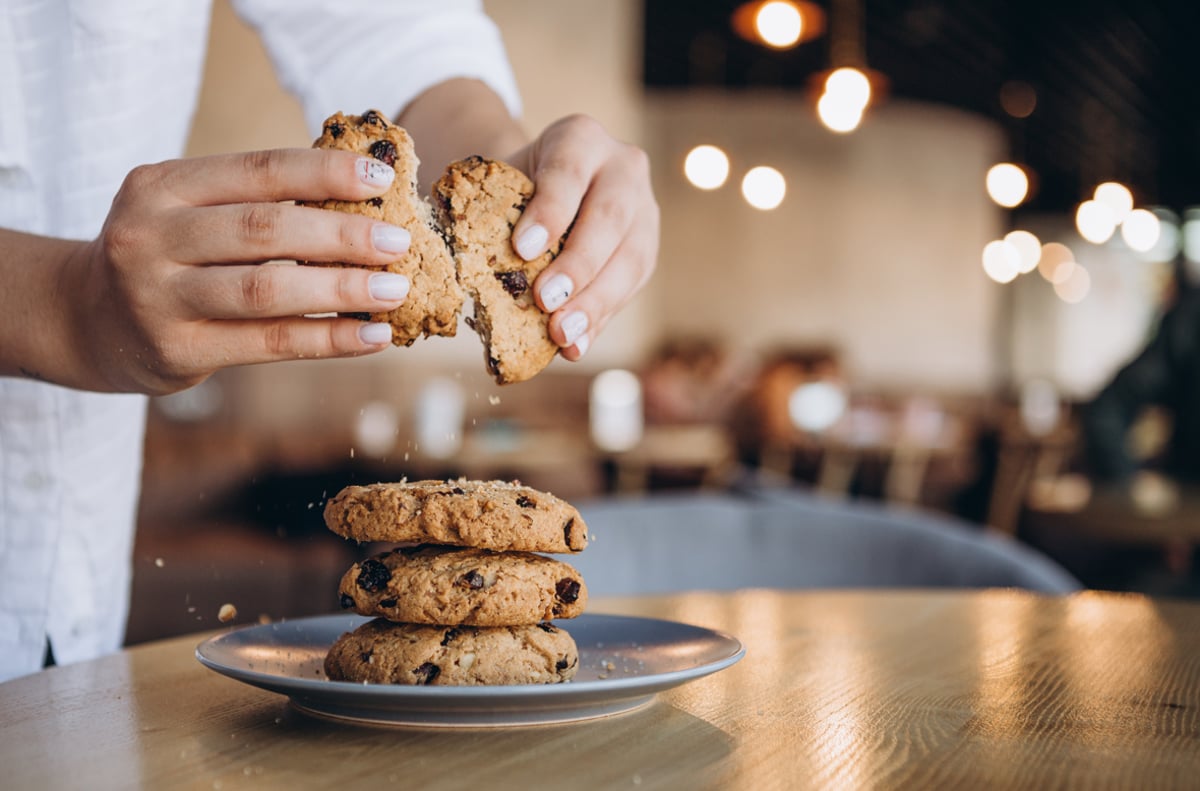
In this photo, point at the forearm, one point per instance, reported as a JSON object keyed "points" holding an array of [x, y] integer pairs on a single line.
{"points": [[456, 119], [37, 310]]}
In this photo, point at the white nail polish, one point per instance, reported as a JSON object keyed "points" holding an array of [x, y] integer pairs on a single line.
{"points": [[375, 333], [556, 291], [390, 238], [373, 172], [387, 286], [581, 345], [532, 242], [574, 325]]}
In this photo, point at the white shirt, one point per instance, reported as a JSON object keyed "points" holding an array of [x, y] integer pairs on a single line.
{"points": [[88, 90]]}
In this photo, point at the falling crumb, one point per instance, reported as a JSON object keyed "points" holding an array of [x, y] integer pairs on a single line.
{"points": [[192, 608], [494, 400], [609, 666], [159, 562], [264, 619], [406, 457], [227, 613], [352, 453]]}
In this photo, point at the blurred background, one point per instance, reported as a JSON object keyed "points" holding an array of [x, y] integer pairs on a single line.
{"points": [[907, 247]]}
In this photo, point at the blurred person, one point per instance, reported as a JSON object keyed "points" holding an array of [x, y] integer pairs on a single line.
{"points": [[129, 272], [1166, 374]]}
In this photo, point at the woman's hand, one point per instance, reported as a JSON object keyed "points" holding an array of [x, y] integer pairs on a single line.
{"points": [[601, 185], [175, 286]]}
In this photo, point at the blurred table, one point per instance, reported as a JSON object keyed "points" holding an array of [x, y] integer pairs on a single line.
{"points": [[884, 689]]}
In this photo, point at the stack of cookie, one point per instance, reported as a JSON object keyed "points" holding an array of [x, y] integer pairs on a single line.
{"points": [[467, 601]]}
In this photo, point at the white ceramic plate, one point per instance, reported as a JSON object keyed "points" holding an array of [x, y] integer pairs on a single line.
{"points": [[623, 662]]}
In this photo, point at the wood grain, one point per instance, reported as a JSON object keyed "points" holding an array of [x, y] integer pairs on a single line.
{"points": [[978, 690]]}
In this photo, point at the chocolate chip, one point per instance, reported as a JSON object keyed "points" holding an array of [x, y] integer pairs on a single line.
{"points": [[547, 627], [387, 603], [567, 590], [359, 316], [365, 656], [450, 635], [472, 580], [515, 283], [372, 575], [525, 502], [567, 530], [335, 130], [346, 601], [493, 366], [384, 151], [562, 664], [373, 118], [376, 202], [457, 490], [427, 672]]}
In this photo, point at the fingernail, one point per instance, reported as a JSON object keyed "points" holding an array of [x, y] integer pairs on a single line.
{"points": [[387, 287], [581, 345], [556, 291], [574, 326], [373, 172], [390, 238], [532, 242], [375, 333]]}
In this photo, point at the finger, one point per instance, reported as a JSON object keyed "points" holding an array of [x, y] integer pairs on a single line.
{"points": [[277, 290], [604, 220], [562, 177], [251, 342], [273, 175], [263, 231], [623, 276]]}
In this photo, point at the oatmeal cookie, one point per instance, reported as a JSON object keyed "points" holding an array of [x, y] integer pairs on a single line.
{"points": [[454, 585], [434, 298], [383, 652], [495, 515]]}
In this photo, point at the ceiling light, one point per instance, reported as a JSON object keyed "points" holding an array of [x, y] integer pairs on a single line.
{"points": [[779, 24], [706, 167], [764, 187], [1018, 98], [1141, 230], [1001, 261], [849, 86], [1095, 221], [1007, 184], [1029, 246], [1116, 197]]}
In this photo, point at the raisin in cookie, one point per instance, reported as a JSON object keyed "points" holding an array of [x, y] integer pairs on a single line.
{"points": [[478, 202], [484, 514], [453, 585], [383, 652], [434, 298]]}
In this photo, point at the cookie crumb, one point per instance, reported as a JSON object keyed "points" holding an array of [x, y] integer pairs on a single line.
{"points": [[227, 613], [159, 562]]}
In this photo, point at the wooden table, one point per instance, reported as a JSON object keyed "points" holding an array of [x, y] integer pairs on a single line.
{"points": [[994, 689]]}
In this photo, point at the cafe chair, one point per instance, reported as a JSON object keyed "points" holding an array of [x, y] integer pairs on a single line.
{"points": [[790, 539]]}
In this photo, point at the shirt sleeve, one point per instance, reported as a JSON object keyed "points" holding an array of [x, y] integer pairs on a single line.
{"points": [[354, 55]]}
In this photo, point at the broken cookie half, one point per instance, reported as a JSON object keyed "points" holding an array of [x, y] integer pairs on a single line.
{"points": [[478, 202]]}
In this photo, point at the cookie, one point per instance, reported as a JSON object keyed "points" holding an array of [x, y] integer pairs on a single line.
{"points": [[434, 584], [484, 514], [434, 299], [478, 202], [383, 652]]}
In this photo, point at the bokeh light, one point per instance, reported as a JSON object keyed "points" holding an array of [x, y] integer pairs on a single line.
{"points": [[779, 24], [1075, 286], [764, 187], [838, 115], [1029, 246], [1141, 230], [1116, 197], [1018, 98], [1007, 184], [706, 167], [1095, 221], [1001, 261], [1056, 263], [849, 86]]}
